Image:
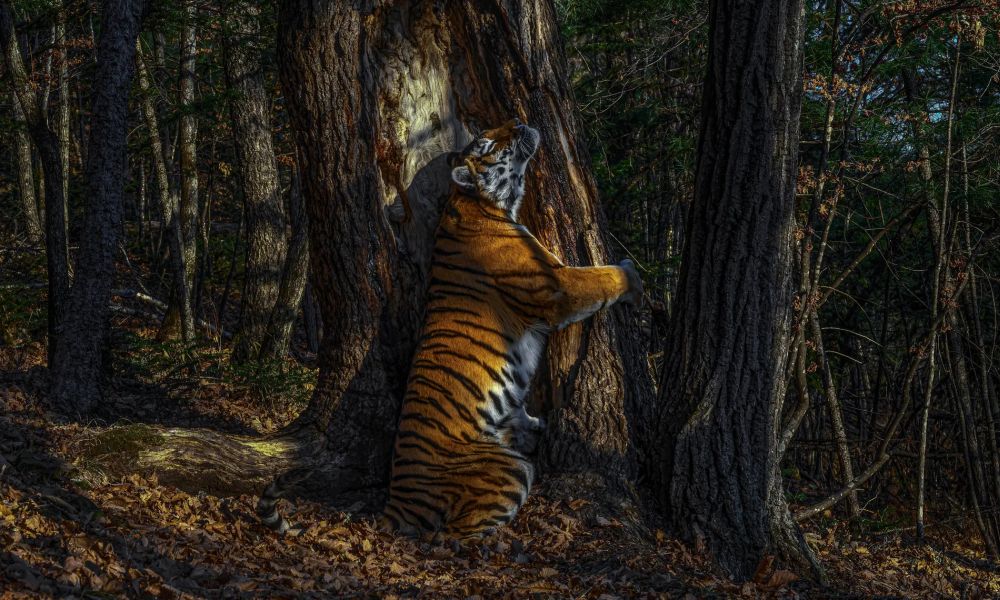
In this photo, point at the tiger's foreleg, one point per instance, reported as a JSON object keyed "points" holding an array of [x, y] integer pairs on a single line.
{"points": [[586, 290]]}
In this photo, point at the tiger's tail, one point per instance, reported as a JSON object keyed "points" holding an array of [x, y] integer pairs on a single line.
{"points": [[267, 505]]}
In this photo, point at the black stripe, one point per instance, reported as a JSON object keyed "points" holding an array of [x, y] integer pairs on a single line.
{"points": [[416, 378], [444, 350], [422, 438], [402, 489], [452, 333], [514, 497], [404, 512], [426, 420], [497, 403], [506, 338], [459, 268], [462, 379], [420, 400], [411, 462], [518, 474], [451, 309]]}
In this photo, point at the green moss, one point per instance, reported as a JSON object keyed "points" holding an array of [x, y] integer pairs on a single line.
{"points": [[269, 448], [126, 440]]}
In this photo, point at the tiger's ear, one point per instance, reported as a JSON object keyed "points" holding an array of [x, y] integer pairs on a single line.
{"points": [[463, 179]]}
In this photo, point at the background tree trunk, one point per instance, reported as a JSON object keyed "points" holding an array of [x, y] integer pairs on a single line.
{"points": [[47, 143], [81, 353], [723, 381], [250, 110], [62, 68], [293, 277], [25, 178], [188, 147], [180, 312]]}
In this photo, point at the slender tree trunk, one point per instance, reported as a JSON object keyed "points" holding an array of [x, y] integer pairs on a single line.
{"points": [[62, 66], [836, 415], [81, 353], [188, 146], [723, 381], [171, 211], [47, 143], [293, 277], [25, 178], [250, 111]]}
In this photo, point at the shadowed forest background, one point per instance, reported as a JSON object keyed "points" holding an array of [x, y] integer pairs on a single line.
{"points": [[217, 224]]}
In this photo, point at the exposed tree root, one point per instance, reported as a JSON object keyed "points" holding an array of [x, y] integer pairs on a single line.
{"points": [[193, 459]]}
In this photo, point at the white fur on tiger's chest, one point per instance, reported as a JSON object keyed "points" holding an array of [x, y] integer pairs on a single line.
{"points": [[529, 348], [507, 397]]}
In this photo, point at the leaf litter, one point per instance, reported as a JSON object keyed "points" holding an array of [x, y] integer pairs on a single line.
{"points": [[62, 536]]}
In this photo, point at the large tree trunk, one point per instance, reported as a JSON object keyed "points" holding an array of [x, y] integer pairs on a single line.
{"points": [[723, 381], [81, 352], [408, 83], [329, 90], [250, 110]]}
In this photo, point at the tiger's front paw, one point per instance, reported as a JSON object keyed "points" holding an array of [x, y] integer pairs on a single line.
{"points": [[635, 290]]}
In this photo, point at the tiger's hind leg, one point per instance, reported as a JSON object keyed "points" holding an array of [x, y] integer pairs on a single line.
{"points": [[509, 476]]}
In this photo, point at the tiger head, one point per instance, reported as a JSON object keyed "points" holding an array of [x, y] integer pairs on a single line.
{"points": [[492, 166]]}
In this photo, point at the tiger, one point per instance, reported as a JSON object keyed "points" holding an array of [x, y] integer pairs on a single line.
{"points": [[462, 464]]}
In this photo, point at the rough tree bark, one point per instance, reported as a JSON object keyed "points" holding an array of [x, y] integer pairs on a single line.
{"points": [[250, 111], [723, 381], [327, 86], [62, 67], [507, 59], [80, 355]]}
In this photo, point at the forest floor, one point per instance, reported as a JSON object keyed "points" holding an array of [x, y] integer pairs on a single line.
{"points": [[66, 531]]}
